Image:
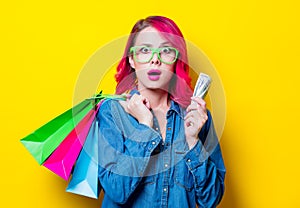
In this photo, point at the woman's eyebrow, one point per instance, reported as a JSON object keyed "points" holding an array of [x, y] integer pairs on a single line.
{"points": [[145, 44], [165, 43], [151, 45]]}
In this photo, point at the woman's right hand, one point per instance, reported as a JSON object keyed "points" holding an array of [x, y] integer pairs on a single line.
{"points": [[139, 107]]}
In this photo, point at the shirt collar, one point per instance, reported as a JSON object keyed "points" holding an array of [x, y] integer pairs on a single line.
{"points": [[177, 108]]}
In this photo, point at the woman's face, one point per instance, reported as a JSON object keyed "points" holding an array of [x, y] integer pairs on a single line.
{"points": [[152, 73]]}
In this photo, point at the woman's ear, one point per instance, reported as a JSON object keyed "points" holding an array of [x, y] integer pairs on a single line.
{"points": [[131, 62]]}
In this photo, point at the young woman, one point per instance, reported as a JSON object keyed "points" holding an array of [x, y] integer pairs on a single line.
{"points": [[151, 148]]}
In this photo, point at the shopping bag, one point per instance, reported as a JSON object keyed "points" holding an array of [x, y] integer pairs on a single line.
{"points": [[84, 179], [57, 144], [62, 160], [42, 142]]}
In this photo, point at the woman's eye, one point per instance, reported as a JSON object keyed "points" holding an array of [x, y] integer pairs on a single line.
{"points": [[166, 50], [145, 50]]}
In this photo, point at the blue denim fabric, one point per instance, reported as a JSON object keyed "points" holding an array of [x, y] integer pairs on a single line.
{"points": [[138, 169]]}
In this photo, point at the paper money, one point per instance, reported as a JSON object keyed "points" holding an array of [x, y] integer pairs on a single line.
{"points": [[202, 85]]}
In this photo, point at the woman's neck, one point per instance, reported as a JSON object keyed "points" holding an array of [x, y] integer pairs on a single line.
{"points": [[157, 98]]}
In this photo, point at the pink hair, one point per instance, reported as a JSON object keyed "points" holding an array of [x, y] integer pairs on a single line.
{"points": [[180, 87]]}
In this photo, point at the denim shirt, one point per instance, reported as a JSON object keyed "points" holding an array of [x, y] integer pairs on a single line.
{"points": [[138, 169]]}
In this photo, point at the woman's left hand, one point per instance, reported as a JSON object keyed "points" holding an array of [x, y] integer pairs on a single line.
{"points": [[194, 120]]}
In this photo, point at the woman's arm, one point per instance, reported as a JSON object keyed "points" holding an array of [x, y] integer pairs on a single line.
{"points": [[124, 151], [206, 164]]}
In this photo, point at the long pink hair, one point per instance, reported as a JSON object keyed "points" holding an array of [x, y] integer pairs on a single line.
{"points": [[180, 87]]}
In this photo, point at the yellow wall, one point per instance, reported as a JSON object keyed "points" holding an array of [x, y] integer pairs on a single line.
{"points": [[254, 46]]}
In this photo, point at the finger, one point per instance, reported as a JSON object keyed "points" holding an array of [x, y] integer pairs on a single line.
{"points": [[192, 112], [133, 102], [192, 115], [146, 102], [197, 108], [196, 122], [202, 111], [189, 122], [199, 101], [197, 116], [127, 96], [202, 108], [137, 101], [191, 107], [124, 104], [133, 97]]}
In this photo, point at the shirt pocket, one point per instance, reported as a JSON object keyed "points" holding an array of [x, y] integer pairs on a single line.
{"points": [[183, 177]]}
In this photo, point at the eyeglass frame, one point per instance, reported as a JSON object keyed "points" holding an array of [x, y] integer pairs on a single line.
{"points": [[154, 50]]}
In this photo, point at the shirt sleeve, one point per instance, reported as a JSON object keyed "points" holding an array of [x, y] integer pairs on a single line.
{"points": [[124, 151], [206, 164]]}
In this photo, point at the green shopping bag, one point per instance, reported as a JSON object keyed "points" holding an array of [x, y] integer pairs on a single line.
{"points": [[42, 142]]}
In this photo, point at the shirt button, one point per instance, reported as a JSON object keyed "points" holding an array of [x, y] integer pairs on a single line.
{"points": [[166, 165], [156, 129], [165, 189], [153, 143], [189, 160]]}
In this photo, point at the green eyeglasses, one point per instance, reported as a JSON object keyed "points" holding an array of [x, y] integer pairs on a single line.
{"points": [[144, 54]]}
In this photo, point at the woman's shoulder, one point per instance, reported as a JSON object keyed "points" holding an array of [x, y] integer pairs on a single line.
{"points": [[111, 106]]}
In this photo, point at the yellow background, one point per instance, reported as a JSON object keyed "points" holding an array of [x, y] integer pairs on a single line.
{"points": [[254, 46]]}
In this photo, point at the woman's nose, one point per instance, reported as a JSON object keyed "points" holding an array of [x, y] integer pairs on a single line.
{"points": [[155, 59]]}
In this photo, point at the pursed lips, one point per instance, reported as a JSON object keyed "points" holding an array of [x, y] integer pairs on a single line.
{"points": [[154, 74]]}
